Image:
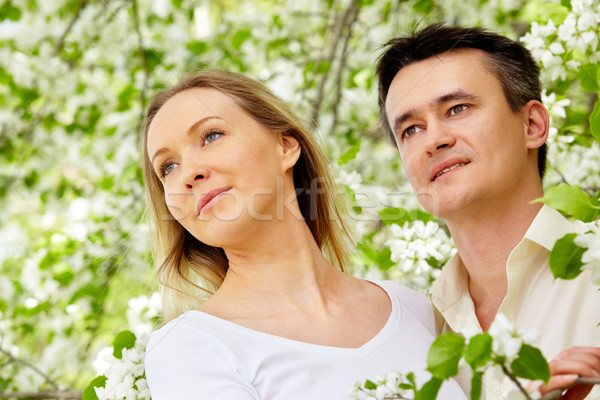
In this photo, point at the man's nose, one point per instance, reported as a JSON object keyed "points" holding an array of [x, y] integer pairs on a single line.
{"points": [[438, 137]]}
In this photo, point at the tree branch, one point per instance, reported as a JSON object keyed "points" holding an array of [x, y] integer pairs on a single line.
{"points": [[338, 78], [29, 365], [145, 65], [515, 381], [61, 42], [57, 394], [321, 88]]}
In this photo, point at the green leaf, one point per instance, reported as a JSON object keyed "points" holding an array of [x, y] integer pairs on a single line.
{"points": [[479, 350], [411, 378], [423, 6], [10, 12], [476, 381], [367, 251], [433, 262], [370, 385], [595, 121], [397, 215], [363, 78], [89, 393], [240, 37], [350, 154], [571, 200], [543, 11], [444, 355], [383, 259], [530, 364], [197, 47], [124, 339], [565, 258], [430, 389], [588, 77], [394, 215], [323, 67]]}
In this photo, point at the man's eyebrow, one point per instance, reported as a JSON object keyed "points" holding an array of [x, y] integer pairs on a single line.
{"points": [[456, 95], [190, 131], [452, 96]]}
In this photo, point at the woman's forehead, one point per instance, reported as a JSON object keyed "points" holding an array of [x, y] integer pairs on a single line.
{"points": [[192, 104]]}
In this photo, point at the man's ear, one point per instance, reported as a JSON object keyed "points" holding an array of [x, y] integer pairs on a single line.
{"points": [[537, 124], [290, 151]]}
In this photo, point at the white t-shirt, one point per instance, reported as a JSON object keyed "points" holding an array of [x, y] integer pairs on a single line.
{"points": [[199, 356]]}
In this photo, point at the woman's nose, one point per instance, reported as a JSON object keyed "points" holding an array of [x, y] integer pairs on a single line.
{"points": [[194, 174]]}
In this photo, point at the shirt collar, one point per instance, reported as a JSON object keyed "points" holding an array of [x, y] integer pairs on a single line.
{"points": [[548, 226], [452, 284]]}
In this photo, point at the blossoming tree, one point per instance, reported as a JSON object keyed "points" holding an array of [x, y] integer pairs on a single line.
{"points": [[75, 76]]}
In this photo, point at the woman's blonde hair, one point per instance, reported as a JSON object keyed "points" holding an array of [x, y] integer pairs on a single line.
{"points": [[190, 270]]}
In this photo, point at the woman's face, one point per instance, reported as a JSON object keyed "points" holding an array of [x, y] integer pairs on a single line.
{"points": [[223, 173]]}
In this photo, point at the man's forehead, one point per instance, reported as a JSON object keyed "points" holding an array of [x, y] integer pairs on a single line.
{"points": [[435, 77]]}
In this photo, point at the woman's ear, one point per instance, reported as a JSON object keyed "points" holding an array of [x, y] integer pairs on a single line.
{"points": [[537, 124], [290, 151]]}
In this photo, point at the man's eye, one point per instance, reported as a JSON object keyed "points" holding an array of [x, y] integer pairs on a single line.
{"points": [[411, 130], [458, 109]]}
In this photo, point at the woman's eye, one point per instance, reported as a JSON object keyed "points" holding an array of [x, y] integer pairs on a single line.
{"points": [[166, 169], [211, 136], [458, 109]]}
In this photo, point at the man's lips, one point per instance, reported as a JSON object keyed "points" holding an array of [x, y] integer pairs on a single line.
{"points": [[446, 166], [209, 199]]}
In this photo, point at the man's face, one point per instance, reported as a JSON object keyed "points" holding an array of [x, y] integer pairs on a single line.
{"points": [[461, 144]]}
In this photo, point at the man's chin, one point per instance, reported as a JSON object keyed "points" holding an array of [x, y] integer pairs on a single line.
{"points": [[430, 202]]}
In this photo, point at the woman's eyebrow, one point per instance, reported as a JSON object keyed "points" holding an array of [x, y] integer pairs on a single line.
{"points": [[201, 121], [190, 131]]}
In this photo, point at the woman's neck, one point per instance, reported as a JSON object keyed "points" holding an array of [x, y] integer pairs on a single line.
{"points": [[283, 267]]}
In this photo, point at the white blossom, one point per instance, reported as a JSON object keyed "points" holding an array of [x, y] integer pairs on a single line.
{"points": [[507, 340], [415, 243], [387, 387], [591, 257], [122, 374]]}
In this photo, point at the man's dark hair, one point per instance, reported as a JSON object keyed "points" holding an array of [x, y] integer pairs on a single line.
{"points": [[508, 60]]}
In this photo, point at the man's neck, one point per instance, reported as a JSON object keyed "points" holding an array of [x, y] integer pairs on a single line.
{"points": [[484, 245]]}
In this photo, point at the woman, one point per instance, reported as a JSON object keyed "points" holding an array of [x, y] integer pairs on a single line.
{"points": [[248, 238]]}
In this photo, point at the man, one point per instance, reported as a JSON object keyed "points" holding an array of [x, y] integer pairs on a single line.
{"points": [[464, 109]]}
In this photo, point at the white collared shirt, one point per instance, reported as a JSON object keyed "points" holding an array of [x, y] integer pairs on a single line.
{"points": [[565, 313]]}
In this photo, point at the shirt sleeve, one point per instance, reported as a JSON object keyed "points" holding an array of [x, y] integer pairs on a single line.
{"points": [[183, 363]]}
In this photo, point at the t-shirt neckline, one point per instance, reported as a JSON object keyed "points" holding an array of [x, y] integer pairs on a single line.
{"points": [[381, 337]]}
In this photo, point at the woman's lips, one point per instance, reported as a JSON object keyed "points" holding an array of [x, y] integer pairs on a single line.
{"points": [[209, 199]]}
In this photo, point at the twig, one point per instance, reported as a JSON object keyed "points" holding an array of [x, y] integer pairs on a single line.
{"points": [[515, 381], [557, 393], [321, 88], [61, 41], [57, 394], [562, 177], [145, 65], [33, 367], [338, 78]]}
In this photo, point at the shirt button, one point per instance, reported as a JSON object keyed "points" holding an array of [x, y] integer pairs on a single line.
{"points": [[499, 390]]}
